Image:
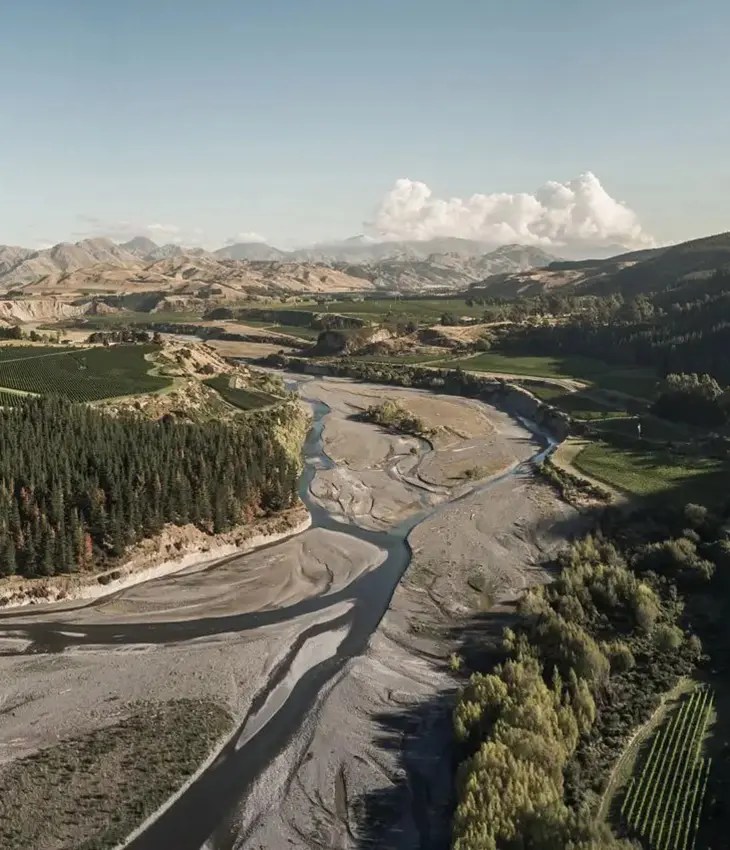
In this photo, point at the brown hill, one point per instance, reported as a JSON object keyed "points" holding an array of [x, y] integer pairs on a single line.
{"points": [[58, 273], [46, 309]]}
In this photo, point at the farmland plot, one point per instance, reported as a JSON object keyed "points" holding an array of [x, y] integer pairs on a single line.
{"points": [[83, 375], [663, 801]]}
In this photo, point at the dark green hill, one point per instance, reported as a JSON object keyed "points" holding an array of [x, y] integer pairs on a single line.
{"points": [[633, 273], [671, 265]]}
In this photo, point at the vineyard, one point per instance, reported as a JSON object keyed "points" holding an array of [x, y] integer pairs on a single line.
{"points": [[25, 352], [8, 399], [663, 802], [80, 375], [242, 398]]}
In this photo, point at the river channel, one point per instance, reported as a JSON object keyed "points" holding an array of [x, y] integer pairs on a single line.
{"points": [[203, 816]]}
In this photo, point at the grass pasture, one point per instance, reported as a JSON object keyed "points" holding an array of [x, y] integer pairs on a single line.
{"points": [[639, 383], [648, 470], [292, 330], [127, 319], [83, 375], [423, 310], [652, 428], [412, 359]]}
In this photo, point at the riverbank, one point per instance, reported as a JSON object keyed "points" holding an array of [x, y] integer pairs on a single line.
{"points": [[179, 547]]}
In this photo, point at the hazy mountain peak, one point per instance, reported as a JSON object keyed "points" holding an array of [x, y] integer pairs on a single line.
{"points": [[140, 245], [257, 251]]}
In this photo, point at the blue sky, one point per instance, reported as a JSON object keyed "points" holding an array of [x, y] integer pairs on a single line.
{"points": [[294, 118]]}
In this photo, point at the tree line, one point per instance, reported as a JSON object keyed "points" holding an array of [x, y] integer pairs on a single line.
{"points": [[77, 486], [685, 328]]}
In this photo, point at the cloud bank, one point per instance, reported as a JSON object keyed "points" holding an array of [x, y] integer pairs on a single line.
{"points": [[124, 230], [573, 214]]}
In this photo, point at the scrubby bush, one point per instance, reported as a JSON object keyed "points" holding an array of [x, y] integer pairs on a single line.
{"points": [[620, 657], [691, 398], [678, 559], [694, 646], [590, 656], [392, 414], [696, 515], [667, 638]]}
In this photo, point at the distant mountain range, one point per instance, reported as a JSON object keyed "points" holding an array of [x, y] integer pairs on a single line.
{"points": [[100, 265], [356, 250]]}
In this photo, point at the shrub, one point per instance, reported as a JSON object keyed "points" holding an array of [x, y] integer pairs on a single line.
{"points": [[696, 515], [676, 558], [694, 645], [455, 662], [391, 414], [620, 657], [667, 638]]}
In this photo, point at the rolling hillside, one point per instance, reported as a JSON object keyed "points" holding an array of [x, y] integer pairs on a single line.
{"points": [[630, 273]]}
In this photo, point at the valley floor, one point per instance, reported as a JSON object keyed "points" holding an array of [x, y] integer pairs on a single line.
{"points": [[370, 765]]}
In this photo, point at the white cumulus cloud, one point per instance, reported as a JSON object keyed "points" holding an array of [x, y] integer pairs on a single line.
{"points": [[246, 236], [577, 213]]}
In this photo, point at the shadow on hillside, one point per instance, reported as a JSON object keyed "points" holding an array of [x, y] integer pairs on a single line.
{"points": [[414, 812]]}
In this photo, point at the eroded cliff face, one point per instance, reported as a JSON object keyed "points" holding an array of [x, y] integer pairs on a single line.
{"points": [[339, 341], [41, 309]]}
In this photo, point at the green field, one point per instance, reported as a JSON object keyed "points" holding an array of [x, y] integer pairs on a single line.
{"points": [[634, 382], [423, 310], [652, 428], [83, 374], [289, 330], [594, 404], [646, 470], [583, 405], [241, 398]]}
